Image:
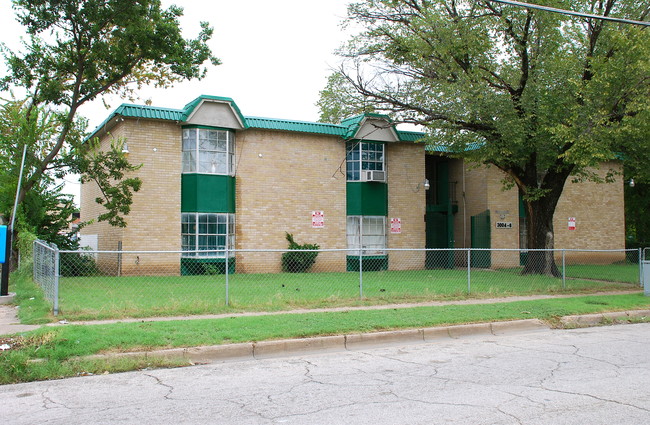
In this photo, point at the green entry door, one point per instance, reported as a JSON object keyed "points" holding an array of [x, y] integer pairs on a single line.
{"points": [[481, 238], [438, 237]]}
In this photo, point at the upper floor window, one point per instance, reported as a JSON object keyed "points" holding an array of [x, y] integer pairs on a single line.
{"points": [[208, 151], [363, 157]]}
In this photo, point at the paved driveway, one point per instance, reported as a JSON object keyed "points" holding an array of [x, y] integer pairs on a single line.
{"points": [[583, 376]]}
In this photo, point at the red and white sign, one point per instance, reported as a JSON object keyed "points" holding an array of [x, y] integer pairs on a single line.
{"points": [[317, 219], [572, 223], [395, 225]]}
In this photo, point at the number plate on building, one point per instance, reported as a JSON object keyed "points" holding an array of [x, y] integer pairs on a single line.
{"points": [[504, 225]]}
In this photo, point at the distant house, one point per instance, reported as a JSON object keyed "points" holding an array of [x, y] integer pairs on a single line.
{"points": [[216, 179]]}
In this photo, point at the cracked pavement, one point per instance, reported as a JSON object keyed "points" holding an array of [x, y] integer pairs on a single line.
{"points": [[594, 375]]}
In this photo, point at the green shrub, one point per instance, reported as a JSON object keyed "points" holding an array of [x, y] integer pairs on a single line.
{"points": [[298, 260], [77, 264]]}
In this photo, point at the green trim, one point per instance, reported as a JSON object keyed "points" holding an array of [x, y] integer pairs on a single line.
{"points": [[366, 198], [207, 193], [206, 127], [205, 266], [371, 263]]}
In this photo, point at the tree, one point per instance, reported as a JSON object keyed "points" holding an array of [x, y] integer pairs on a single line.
{"points": [[541, 96], [81, 49], [45, 211]]}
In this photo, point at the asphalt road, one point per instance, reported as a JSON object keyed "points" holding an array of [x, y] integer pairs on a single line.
{"points": [[582, 376]]}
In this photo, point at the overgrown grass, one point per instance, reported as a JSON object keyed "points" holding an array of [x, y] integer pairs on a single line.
{"points": [[104, 297], [53, 352], [34, 308]]}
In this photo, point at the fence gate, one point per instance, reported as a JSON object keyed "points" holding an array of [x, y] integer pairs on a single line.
{"points": [[481, 238]]}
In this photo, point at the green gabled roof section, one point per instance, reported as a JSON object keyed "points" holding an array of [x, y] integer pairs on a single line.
{"points": [[190, 107], [353, 124], [299, 126]]}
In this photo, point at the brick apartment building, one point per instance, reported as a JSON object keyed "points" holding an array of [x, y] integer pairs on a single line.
{"points": [[216, 179]]}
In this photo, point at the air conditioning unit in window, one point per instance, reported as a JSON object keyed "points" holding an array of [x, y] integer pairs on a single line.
{"points": [[373, 176]]}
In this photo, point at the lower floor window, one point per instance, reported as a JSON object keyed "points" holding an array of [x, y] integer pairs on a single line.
{"points": [[207, 235], [366, 235]]}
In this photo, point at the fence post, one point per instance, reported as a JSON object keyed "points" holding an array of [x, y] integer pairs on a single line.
{"points": [[360, 272], [469, 272], [641, 267], [227, 277], [57, 257], [34, 256], [563, 269]]}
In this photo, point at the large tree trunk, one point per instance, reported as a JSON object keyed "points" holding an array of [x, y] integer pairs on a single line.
{"points": [[540, 236]]}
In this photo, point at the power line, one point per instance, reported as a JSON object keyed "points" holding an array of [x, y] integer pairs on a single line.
{"points": [[570, 12]]}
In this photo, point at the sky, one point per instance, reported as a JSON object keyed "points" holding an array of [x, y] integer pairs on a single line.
{"points": [[276, 56]]}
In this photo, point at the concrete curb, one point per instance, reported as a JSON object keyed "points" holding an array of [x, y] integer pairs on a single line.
{"points": [[7, 299], [603, 318], [329, 344]]}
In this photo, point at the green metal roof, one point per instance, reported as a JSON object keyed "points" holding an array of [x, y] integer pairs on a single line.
{"points": [[151, 112], [346, 130], [299, 126]]}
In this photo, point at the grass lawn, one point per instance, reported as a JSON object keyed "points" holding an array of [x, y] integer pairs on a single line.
{"points": [[104, 297], [610, 272], [54, 352]]}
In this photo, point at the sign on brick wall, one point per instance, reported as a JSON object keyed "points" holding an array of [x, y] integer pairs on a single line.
{"points": [[317, 219], [396, 225], [572, 223]]}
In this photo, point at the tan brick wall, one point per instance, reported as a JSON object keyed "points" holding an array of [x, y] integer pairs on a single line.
{"points": [[281, 178], [598, 208], [504, 207], [108, 237], [154, 220], [406, 200], [600, 218]]}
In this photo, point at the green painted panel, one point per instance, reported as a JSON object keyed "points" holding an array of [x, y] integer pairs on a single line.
{"points": [[206, 266], [372, 263], [367, 198], [481, 238], [207, 193]]}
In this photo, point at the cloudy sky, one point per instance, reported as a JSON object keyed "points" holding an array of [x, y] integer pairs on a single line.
{"points": [[276, 55]]}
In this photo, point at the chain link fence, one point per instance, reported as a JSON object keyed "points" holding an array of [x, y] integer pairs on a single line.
{"points": [[85, 285], [46, 271]]}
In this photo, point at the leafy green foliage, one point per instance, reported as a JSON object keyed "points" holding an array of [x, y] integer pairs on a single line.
{"points": [[109, 170], [546, 97], [76, 52], [300, 258], [78, 264]]}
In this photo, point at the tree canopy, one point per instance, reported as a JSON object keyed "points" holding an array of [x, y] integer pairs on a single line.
{"points": [[542, 96], [77, 51]]}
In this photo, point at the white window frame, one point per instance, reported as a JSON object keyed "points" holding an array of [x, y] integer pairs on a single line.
{"points": [[366, 235], [367, 159], [195, 226], [200, 144]]}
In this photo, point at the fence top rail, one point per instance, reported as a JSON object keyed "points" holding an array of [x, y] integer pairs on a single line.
{"points": [[45, 244], [352, 250]]}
